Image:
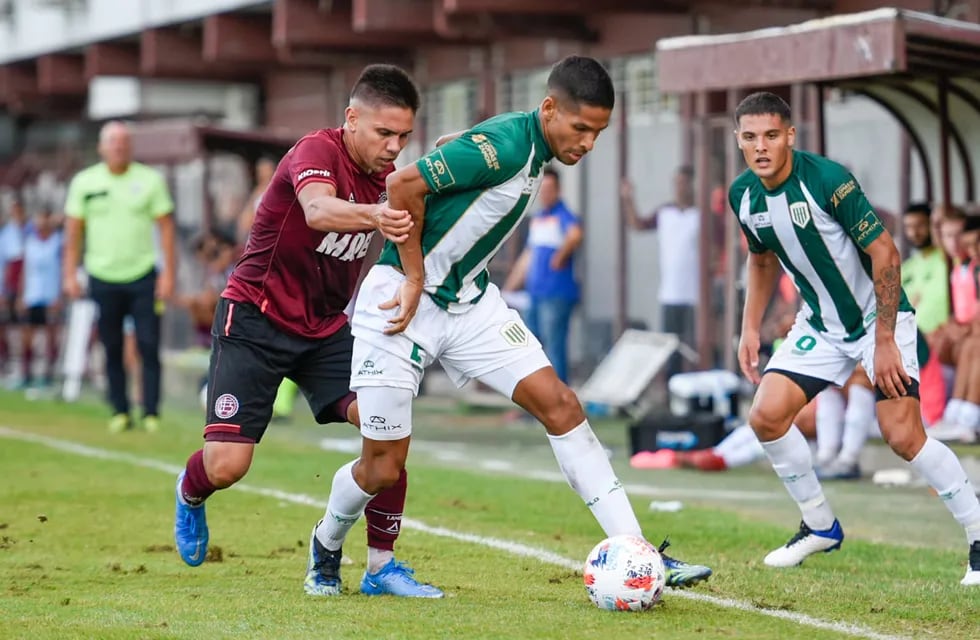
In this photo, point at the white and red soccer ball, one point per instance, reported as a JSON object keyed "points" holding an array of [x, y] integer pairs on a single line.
{"points": [[624, 573]]}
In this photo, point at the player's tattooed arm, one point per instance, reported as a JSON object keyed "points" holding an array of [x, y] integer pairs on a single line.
{"points": [[886, 270]]}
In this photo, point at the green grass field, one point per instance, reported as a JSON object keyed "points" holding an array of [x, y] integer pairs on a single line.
{"points": [[86, 547]]}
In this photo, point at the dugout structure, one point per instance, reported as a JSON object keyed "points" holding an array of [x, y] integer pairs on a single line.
{"points": [[922, 69]]}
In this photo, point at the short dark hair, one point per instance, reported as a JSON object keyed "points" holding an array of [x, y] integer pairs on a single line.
{"points": [[686, 170], [386, 85], [763, 103], [918, 209], [582, 80], [550, 171]]}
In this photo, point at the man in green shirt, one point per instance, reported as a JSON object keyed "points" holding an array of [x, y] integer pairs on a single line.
{"points": [[807, 215], [115, 206], [925, 274], [466, 198]]}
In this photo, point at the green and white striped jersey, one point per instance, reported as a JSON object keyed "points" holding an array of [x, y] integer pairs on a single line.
{"points": [[481, 185], [818, 223]]}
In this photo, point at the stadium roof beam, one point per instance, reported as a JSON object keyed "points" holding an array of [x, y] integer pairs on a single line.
{"points": [[305, 23], [412, 16], [239, 38], [112, 59], [18, 85], [61, 74], [577, 7], [177, 52]]}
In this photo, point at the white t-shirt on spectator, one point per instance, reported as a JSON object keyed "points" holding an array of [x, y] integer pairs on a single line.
{"points": [[677, 232]]}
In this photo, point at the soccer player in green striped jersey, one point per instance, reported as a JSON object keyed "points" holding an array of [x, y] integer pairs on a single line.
{"points": [[808, 215], [432, 299]]}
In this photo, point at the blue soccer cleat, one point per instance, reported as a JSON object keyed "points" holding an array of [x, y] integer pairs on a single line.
{"points": [[190, 529], [805, 543], [397, 579], [322, 569], [680, 574]]}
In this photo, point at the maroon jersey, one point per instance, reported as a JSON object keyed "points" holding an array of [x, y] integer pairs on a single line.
{"points": [[302, 279]]}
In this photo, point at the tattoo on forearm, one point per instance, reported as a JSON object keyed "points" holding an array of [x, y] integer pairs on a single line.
{"points": [[888, 292]]}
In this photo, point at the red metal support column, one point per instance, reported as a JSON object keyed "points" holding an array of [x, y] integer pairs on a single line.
{"points": [[946, 179], [621, 317], [733, 249], [820, 120], [702, 196]]}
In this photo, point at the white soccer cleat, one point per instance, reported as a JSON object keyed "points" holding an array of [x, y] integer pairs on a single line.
{"points": [[805, 543], [972, 577], [952, 432]]}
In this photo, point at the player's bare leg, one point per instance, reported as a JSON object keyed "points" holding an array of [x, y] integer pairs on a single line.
{"points": [[583, 460]]}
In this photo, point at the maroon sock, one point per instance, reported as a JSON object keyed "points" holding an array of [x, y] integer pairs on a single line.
{"points": [[28, 361], [384, 515], [196, 487]]}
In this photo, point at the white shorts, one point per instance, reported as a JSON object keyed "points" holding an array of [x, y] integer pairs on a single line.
{"points": [[808, 352], [489, 342]]}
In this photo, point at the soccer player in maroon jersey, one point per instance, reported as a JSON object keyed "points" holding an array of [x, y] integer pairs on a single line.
{"points": [[282, 313]]}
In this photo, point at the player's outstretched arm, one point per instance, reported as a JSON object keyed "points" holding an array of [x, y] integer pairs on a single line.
{"points": [[763, 273], [324, 211], [406, 191]]}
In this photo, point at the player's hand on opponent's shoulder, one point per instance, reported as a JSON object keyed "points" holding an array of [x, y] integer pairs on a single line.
{"points": [[748, 355], [890, 375], [406, 300], [394, 224]]}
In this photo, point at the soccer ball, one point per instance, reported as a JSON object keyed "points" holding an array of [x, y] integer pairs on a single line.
{"points": [[624, 573]]}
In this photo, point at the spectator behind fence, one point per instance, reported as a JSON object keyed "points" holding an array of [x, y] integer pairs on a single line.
{"points": [[679, 226], [39, 304], [114, 205], [12, 234], [925, 275], [546, 270], [961, 418], [265, 168]]}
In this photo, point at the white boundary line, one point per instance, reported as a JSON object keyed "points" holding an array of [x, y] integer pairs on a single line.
{"points": [[507, 546]]}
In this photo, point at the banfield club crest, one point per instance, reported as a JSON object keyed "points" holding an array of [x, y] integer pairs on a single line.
{"points": [[799, 213]]}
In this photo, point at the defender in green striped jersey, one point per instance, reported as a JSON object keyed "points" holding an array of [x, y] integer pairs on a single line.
{"points": [[808, 214], [481, 185], [430, 298]]}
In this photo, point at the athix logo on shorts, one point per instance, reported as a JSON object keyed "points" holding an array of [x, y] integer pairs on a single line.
{"points": [[309, 173], [368, 368], [379, 423], [225, 406]]}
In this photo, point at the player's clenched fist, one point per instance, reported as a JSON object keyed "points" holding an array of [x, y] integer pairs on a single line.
{"points": [[394, 224]]}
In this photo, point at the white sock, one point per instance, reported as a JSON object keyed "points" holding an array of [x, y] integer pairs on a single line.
{"points": [[344, 507], [860, 412], [378, 558], [969, 415], [740, 447], [583, 460], [790, 457], [942, 470], [830, 423]]}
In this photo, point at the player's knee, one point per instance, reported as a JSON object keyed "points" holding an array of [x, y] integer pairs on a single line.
{"points": [[768, 421], [906, 435], [564, 412], [378, 474], [225, 469]]}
